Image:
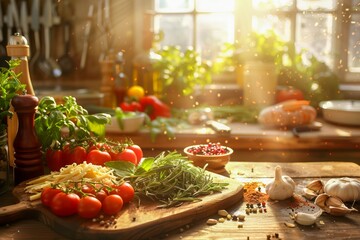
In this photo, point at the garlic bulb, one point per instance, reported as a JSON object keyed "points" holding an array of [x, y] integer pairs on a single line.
{"points": [[347, 189], [281, 187]]}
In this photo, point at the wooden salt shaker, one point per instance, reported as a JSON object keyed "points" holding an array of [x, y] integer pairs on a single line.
{"points": [[28, 163]]}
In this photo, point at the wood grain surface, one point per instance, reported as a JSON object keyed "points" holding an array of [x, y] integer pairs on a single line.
{"points": [[133, 222]]}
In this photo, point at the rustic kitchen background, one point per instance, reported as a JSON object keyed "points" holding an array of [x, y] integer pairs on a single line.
{"points": [[93, 27]]}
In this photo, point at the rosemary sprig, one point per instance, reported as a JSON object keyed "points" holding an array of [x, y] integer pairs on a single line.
{"points": [[170, 179]]}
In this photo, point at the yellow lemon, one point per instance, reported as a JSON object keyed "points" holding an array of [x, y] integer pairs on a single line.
{"points": [[136, 92]]}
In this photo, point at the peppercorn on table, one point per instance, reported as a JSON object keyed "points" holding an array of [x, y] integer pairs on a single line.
{"points": [[254, 216]]}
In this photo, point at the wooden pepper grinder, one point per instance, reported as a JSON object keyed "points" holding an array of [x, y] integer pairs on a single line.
{"points": [[18, 48], [28, 162]]}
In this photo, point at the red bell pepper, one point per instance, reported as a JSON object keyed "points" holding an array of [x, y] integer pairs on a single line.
{"points": [[154, 107]]}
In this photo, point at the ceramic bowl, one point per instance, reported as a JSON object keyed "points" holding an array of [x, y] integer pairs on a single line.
{"points": [[128, 124], [346, 112], [215, 162]]}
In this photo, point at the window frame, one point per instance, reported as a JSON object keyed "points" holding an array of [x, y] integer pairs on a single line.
{"points": [[243, 26]]}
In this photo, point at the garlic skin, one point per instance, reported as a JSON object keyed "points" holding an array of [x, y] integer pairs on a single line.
{"points": [[333, 205], [313, 189], [281, 187]]}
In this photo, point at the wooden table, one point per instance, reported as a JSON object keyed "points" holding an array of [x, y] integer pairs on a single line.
{"points": [[256, 225], [252, 142]]}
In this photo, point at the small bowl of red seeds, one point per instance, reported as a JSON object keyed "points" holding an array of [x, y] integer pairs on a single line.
{"points": [[212, 155]]}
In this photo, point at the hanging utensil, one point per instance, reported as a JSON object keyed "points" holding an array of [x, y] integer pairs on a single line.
{"points": [[35, 27], [2, 48], [15, 15], [86, 37], [9, 20], [65, 61], [48, 65], [24, 19], [104, 24]]}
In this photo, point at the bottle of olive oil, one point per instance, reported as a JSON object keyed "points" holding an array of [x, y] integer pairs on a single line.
{"points": [[144, 73], [121, 80]]}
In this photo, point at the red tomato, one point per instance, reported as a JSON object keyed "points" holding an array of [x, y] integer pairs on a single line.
{"points": [[48, 194], [125, 191], [89, 207], [126, 155], [65, 204], [285, 94], [98, 157], [87, 189], [101, 195], [74, 155], [138, 152], [112, 204], [54, 159]]}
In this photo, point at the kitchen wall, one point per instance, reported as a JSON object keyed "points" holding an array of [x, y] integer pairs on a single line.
{"points": [[117, 30]]}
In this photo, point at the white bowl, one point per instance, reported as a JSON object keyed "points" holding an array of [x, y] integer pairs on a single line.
{"points": [[346, 112], [130, 123]]}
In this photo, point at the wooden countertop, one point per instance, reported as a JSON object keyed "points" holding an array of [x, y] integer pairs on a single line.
{"points": [[252, 141], [256, 225]]}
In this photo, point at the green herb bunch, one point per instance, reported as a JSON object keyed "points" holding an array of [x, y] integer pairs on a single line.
{"points": [[182, 70], [169, 178], [10, 86], [52, 120]]}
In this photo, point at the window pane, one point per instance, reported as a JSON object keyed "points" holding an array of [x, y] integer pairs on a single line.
{"points": [[316, 4], [270, 4], [281, 26], [215, 5], [213, 30], [177, 29], [314, 33], [354, 44], [174, 6]]}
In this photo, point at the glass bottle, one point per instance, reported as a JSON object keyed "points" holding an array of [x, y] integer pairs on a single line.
{"points": [[144, 73], [121, 80]]}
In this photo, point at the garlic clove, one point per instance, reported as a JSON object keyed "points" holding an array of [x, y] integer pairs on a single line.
{"points": [[306, 218], [309, 194], [320, 200], [316, 186], [340, 211], [334, 202]]}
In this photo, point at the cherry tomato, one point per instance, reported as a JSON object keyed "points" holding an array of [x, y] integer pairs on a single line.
{"points": [[89, 207], [65, 204], [112, 204], [126, 155], [101, 195], [48, 194], [285, 94], [98, 157], [54, 159], [87, 189], [74, 155], [138, 152], [125, 191]]}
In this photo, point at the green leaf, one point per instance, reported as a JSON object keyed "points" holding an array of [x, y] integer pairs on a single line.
{"points": [[122, 168]]}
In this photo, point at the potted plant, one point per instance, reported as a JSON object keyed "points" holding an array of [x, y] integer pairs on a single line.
{"points": [[181, 72], [10, 86]]}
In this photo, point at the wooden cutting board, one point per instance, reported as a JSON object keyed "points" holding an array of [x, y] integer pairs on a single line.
{"points": [[133, 222]]}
